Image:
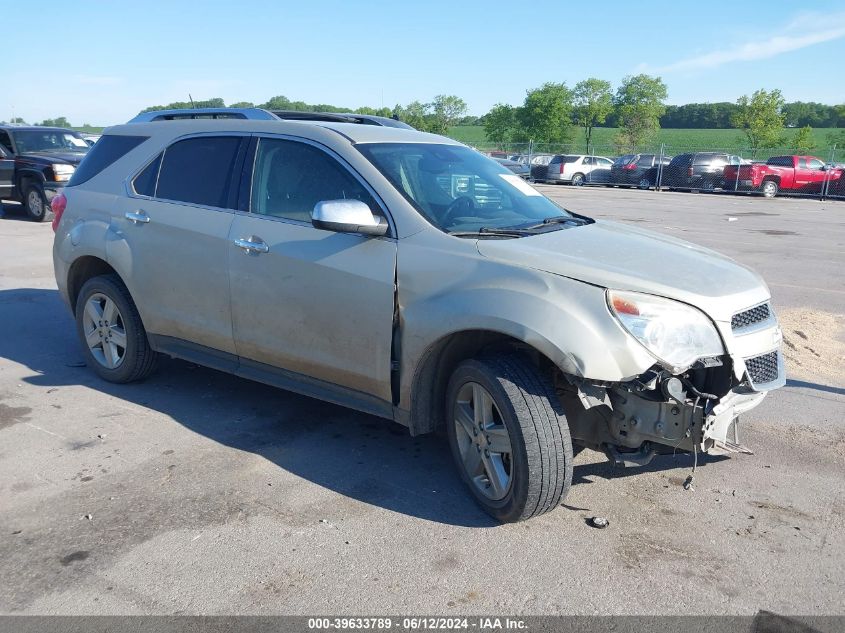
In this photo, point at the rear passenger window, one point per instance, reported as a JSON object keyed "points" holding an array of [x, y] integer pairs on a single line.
{"points": [[106, 151], [145, 182], [199, 171], [291, 177]]}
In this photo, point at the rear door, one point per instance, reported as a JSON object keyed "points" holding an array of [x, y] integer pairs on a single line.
{"points": [[176, 226], [309, 303]]}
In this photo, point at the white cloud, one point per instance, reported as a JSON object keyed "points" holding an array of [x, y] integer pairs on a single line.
{"points": [[796, 35]]}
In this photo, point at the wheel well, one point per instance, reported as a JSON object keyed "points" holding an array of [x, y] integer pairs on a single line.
{"points": [[432, 376], [774, 179], [81, 271]]}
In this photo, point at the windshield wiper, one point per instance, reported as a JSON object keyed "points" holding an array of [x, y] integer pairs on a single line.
{"points": [[486, 230], [558, 219]]}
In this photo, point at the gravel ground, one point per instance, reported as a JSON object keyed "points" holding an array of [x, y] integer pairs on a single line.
{"points": [[197, 492]]}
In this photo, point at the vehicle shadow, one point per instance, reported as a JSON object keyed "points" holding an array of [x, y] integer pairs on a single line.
{"points": [[363, 457], [803, 384], [13, 211]]}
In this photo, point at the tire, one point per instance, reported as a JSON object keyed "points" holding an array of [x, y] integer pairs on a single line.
{"points": [[36, 205], [115, 326], [577, 180], [644, 183], [525, 417], [769, 188]]}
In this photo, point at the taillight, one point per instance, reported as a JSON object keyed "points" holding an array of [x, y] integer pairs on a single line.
{"points": [[630, 166], [58, 204], [561, 167]]}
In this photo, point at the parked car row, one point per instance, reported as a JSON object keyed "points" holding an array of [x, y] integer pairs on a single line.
{"points": [[694, 171]]}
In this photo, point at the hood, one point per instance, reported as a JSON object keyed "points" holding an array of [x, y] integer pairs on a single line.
{"points": [[71, 158], [621, 257]]}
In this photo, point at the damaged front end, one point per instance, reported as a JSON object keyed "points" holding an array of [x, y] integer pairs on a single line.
{"points": [[664, 411]]}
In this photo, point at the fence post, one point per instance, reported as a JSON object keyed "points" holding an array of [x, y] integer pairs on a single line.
{"points": [[660, 166], [826, 184], [530, 153], [738, 167]]}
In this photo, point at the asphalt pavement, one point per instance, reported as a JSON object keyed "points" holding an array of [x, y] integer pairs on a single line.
{"points": [[196, 492]]}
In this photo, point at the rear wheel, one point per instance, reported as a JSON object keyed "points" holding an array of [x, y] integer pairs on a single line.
{"points": [[578, 179], [509, 437], [644, 183], [37, 207], [769, 189], [111, 331]]}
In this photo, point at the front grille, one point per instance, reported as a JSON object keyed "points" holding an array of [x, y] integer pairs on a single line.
{"points": [[749, 317], [763, 369]]}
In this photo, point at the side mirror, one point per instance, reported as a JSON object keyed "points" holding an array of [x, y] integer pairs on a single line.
{"points": [[347, 216]]}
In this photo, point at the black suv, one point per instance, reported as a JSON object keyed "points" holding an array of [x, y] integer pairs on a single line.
{"points": [[703, 171], [35, 162], [637, 170]]}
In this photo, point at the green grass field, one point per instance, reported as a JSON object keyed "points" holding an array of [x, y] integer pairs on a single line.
{"points": [[677, 141]]}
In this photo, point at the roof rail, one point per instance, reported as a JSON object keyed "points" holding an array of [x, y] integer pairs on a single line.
{"points": [[340, 117], [255, 114]]}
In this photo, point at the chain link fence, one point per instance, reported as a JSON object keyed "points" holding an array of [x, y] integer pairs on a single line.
{"points": [[767, 172]]}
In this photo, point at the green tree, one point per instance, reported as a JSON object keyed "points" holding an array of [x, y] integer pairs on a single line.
{"points": [[639, 105], [416, 115], [57, 122], [593, 101], [803, 142], [761, 118], [279, 102], [545, 116], [242, 104], [499, 123], [445, 111]]}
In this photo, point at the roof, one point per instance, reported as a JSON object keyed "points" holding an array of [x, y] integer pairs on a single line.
{"points": [[354, 132], [37, 128]]}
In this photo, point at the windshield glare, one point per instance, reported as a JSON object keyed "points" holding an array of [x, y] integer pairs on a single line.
{"points": [[49, 141], [458, 189]]}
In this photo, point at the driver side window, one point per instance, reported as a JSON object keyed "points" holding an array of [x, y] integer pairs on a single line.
{"points": [[291, 177]]}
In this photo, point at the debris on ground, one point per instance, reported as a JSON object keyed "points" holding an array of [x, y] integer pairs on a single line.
{"points": [[598, 522]]}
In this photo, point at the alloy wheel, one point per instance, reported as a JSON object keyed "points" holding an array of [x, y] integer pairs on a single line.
{"points": [[104, 331], [483, 441]]}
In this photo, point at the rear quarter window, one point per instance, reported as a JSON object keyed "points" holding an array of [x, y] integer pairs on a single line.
{"points": [[106, 151]]}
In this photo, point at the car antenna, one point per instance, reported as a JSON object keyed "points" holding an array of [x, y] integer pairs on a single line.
{"points": [[191, 99]]}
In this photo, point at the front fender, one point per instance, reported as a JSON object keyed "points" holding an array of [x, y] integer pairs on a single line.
{"points": [[566, 320]]}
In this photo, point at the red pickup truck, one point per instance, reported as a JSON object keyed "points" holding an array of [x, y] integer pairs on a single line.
{"points": [[799, 174]]}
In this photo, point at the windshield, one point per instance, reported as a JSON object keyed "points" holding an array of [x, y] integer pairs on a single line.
{"points": [[459, 190], [49, 141]]}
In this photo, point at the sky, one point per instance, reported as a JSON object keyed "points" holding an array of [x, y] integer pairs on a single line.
{"points": [[102, 62]]}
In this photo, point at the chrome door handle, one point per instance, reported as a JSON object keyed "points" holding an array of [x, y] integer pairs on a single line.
{"points": [[137, 217], [252, 245]]}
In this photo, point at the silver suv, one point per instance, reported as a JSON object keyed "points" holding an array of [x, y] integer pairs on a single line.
{"points": [[408, 276]]}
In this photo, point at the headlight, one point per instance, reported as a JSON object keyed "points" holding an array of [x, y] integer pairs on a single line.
{"points": [[675, 333], [63, 172]]}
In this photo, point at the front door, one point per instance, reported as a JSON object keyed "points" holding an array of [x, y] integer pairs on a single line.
{"points": [[7, 166], [177, 241], [314, 303]]}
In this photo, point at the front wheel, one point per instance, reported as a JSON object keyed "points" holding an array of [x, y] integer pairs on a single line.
{"points": [[37, 207], [509, 437], [577, 180]]}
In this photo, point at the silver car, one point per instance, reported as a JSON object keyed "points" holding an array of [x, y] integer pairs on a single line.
{"points": [[405, 275], [578, 169]]}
